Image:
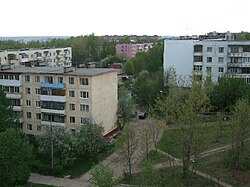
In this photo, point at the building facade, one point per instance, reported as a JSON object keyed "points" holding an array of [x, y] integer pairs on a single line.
{"points": [[59, 96], [208, 58], [127, 51], [37, 57]]}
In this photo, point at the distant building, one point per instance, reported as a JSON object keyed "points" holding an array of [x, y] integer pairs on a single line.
{"points": [[66, 97], [135, 38], [37, 57], [208, 58], [127, 51]]}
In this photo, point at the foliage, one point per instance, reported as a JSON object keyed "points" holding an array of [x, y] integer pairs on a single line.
{"points": [[243, 36], [7, 117], [102, 176], [149, 176], [110, 59], [129, 67], [15, 157], [228, 91]]}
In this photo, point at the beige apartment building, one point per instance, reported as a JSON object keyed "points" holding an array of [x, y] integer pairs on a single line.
{"points": [[37, 57], [60, 96]]}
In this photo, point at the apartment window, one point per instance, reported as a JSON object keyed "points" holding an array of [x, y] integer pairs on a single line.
{"points": [[209, 59], [29, 114], [220, 59], [84, 81], [29, 127], [27, 90], [221, 69], [72, 106], [198, 68], [16, 77], [85, 120], [209, 49], [71, 80], [234, 49], [11, 77], [38, 127], [209, 70], [37, 78], [84, 108], [21, 126], [198, 58], [48, 79], [198, 48], [72, 119], [60, 79], [38, 91], [1, 76], [84, 94], [38, 115], [221, 49], [38, 104], [71, 93], [6, 77], [28, 102], [27, 78], [16, 89]]}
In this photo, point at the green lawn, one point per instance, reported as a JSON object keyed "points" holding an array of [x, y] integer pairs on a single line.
{"points": [[154, 158], [171, 139], [215, 166], [163, 178]]}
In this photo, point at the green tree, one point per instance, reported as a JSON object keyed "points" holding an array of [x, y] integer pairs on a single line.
{"points": [[129, 67], [7, 117], [110, 59], [15, 157], [102, 176]]}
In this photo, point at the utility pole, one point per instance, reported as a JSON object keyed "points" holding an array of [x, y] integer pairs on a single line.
{"points": [[52, 146]]}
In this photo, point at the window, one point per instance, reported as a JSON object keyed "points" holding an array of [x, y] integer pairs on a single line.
{"points": [[38, 91], [1, 76], [37, 78], [16, 77], [29, 127], [71, 93], [209, 70], [84, 108], [209, 49], [72, 119], [38, 115], [84, 81], [28, 102], [38, 104], [16, 89], [72, 106], [220, 59], [27, 90], [221, 49], [85, 120], [198, 48], [60, 79], [6, 77], [27, 78], [234, 49], [198, 68], [11, 77], [221, 69], [29, 115], [49, 79], [84, 95], [198, 59], [209, 59], [71, 80]]}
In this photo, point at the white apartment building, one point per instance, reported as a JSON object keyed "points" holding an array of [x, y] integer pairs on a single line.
{"points": [[209, 58], [37, 57], [60, 96]]}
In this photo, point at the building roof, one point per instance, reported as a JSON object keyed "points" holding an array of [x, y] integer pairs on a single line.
{"points": [[59, 70]]}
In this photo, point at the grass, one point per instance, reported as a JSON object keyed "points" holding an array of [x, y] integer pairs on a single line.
{"points": [[34, 185], [164, 178], [154, 158], [215, 166], [171, 139]]}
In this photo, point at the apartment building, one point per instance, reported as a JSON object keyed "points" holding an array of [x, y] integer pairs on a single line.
{"points": [[209, 58], [60, 96], [37, 57], [127, 51]]}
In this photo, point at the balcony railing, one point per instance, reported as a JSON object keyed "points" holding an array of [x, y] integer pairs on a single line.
{"points": [[52, 85]]}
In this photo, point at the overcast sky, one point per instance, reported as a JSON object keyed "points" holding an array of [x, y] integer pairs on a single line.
{"points": [[122, 17]]}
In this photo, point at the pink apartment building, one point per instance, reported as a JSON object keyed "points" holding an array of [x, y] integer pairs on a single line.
{"points": [[127, 51]]}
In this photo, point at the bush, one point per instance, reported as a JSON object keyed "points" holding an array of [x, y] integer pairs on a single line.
{"points": [[57, 170]]}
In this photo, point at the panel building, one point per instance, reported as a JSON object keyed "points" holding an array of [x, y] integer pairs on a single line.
{"points": [[208, 58], [60, 96], [37, 57]]}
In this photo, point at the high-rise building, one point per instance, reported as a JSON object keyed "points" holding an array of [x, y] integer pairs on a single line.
{"points": [[60, 96]]}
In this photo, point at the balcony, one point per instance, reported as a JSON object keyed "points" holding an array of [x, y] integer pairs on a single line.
{"points": [[197, 63], [7, 82], [52, 111], [13, 95], [17, 108], [24, 60], [53, 123], [53, 98], [52, 86]]}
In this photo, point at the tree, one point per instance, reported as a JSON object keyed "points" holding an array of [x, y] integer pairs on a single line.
{"points": [[129, 67], [15, 157], [127, 144], [240, 128], [7, 116], [110, 59], [146, 139], [102, 176]]}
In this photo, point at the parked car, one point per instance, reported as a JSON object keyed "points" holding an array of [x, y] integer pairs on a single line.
{"points": [[142, 115]]}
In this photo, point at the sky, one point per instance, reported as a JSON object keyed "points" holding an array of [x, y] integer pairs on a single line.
{"points": [[122, 17]]}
